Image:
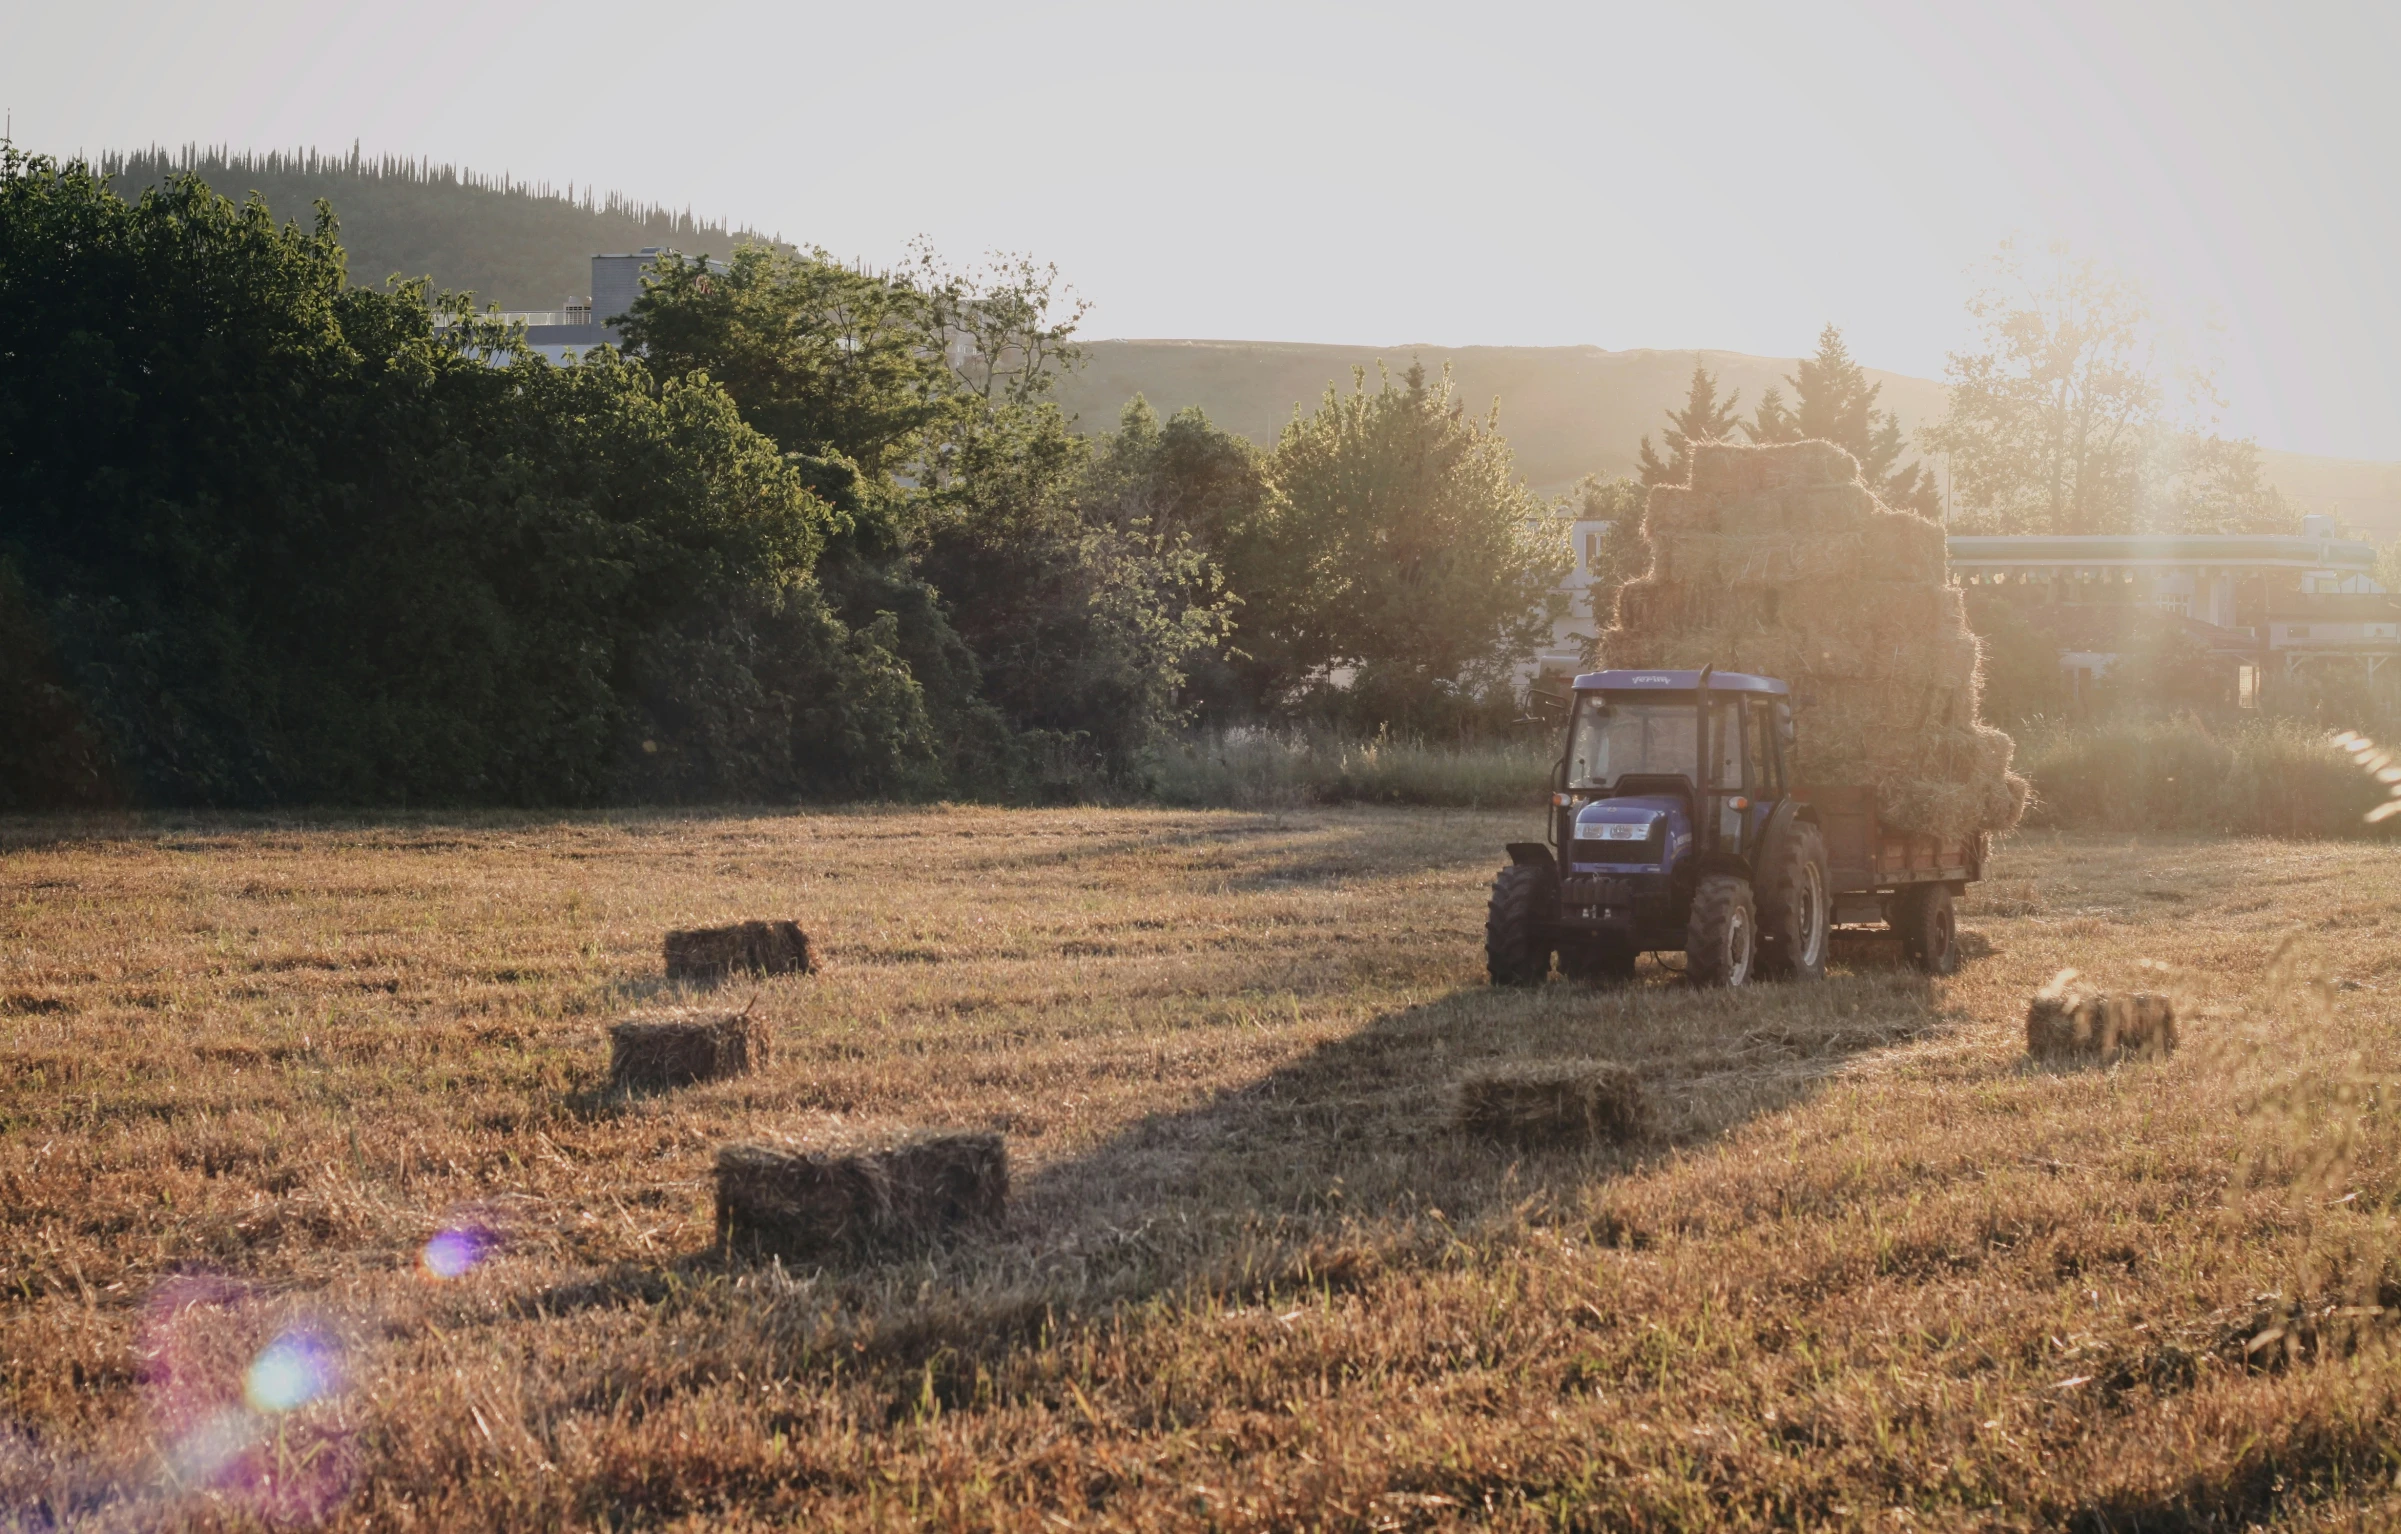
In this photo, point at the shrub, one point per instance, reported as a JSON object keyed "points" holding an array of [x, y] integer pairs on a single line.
{"points": [[2260, 777], [1257, 769]]}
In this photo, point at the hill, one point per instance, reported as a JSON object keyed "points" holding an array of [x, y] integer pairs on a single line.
{"points": [[521, 245], [1568, 410]]}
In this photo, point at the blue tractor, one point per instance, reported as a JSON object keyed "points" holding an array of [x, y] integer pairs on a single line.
{"points": [[1673, 828], [1676, 826]]}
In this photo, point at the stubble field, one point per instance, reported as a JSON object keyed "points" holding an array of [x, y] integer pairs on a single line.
{"points": [[313, 1210]]}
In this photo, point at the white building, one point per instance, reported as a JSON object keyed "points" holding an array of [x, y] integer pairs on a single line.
{"points": [[564, 333]]}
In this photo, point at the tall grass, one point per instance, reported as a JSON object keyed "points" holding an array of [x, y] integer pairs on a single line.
{"points": [[2260, 777], [1259, 770]]}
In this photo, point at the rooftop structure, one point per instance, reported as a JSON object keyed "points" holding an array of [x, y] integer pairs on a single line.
{"points": [[562, 333], [2219, 578]]}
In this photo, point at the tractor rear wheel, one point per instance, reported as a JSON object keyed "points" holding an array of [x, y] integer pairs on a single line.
{"points": [[1721, 937], [1516, 951], [1793, 912], [1929, 929], [1597, 961]]}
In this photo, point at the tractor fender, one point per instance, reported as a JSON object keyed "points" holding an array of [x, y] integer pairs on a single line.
{"points": [[1779, 821], [1535, 853]]}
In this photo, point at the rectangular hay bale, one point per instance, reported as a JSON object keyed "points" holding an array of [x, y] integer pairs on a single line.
{"points": [[1568, 1103], [906, 1191], [2071, 1025], [679, 1051], [756, 947]]}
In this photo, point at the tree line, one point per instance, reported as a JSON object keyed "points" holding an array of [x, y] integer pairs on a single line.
{"points": [[270, 538], [2060, 419]]}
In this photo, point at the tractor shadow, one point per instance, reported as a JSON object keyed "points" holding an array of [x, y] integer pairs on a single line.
{"points": [[1358, 1131]]}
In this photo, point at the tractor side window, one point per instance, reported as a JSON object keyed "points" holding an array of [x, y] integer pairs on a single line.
{"points": [[1760, 776]]}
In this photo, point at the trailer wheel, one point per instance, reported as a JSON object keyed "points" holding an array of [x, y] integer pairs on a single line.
{"points": [[1721, 937], [1929, 929], [1793, 913], [1515, 949], [1597, 961]]}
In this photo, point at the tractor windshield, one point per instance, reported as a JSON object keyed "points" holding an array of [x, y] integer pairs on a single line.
{"points": [[1611, 738]]}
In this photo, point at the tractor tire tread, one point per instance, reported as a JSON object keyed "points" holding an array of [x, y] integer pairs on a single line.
{"points": [[1779, 893], [1714, 905], [1513, 954], [1929, 929]]}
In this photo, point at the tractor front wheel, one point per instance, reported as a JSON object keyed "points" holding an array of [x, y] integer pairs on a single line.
{"points": [[1722, 934], [1929, 929], [1516, 951]]}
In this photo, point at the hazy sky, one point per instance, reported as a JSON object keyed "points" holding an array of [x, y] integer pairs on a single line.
{"points": [[1727, 175]]}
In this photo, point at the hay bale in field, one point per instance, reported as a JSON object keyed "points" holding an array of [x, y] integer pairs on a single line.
{"points": [[1778, 560], [904, 1191], [757, 947], [1576, 1102], [2068, 1024], [679, 1050]]}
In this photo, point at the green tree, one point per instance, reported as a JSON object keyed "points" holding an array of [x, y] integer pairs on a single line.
{"points": [[1200, 496], [273, 538], [1404, 551], [1085, 626], [2200, 482], [1619, 552], [1833, 401], [1704, 418], [2055, 410], [998, 548], [826, 360]]}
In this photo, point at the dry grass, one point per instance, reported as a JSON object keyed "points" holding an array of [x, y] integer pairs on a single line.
{"points": [[265, 1084]]}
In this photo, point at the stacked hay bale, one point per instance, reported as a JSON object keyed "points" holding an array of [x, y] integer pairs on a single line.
{"points": [[759, 947], [683, 1048], [1778, 561], [1570, 1103], [902, 1191]]}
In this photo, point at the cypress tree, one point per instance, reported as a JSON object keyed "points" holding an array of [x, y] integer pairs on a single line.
{"points": [[1704, 418]]}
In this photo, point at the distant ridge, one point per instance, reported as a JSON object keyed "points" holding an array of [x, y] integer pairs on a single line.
{"points": [[520, 244]]}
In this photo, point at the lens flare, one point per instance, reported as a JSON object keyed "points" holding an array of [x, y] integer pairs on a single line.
{"points": [[458, 1248], [201, 1456], [295, 1369]]}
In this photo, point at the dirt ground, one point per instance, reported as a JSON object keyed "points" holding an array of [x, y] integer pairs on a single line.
{"points": [[314, 1210]]}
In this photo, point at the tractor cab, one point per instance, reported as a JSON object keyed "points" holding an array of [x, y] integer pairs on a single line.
{"points": [[1672, 827], [1646, 744]]}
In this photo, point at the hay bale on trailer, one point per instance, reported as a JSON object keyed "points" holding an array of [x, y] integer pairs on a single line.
{"points": [[2066, 1024], [755, 947], [684, 1048], [1570, 1103], [901, 1192], [1777, 560]]}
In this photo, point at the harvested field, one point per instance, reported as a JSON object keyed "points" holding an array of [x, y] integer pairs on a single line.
{"points": [[314, 1209]]}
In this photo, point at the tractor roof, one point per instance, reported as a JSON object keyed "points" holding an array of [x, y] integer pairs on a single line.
{"points": [[1676, 681]]}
